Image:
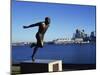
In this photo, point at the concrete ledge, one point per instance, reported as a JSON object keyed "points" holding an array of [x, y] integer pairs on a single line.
{"points": [[39, 66]]}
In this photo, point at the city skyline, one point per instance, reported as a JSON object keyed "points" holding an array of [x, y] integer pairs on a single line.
{"points": [[65, 19]]}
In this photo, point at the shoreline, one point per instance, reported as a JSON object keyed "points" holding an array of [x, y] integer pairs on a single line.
{"points": [[55, 44]]}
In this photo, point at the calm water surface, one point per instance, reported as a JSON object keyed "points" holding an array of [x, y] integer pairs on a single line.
{"points": [[70, 54]]}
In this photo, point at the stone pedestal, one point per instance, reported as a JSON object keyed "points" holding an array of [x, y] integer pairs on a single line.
{"points": [[39, 66]]}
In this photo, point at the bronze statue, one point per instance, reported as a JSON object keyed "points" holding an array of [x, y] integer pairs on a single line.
{"points": [[43, 26]]}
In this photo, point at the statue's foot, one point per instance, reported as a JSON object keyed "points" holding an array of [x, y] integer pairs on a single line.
{"points": [[33, 59], [32, 45]]}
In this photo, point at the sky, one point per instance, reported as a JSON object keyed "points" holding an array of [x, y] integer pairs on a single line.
{"points": [[65, 19]]}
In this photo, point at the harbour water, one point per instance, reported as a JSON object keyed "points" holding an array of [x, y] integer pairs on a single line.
{"points": [[69, 53]]}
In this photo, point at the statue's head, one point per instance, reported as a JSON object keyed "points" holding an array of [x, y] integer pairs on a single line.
{"points": [[47, 20]]}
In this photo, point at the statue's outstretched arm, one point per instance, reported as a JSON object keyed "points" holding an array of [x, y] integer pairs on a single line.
{"points": [[32, 25]]}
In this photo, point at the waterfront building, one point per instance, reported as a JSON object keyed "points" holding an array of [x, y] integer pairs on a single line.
{"points": [[78, 40], [80, 36], [62, 41], [92, 37]]}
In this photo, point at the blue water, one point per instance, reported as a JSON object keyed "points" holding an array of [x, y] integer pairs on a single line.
{"points": [[70, 54]]}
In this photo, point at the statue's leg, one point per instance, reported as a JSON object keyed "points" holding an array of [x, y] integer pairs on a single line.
{"points": [[32, 45], [39, 38], [39, 44], [34, 52]]}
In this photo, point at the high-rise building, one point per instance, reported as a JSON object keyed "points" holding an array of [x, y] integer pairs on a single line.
{"points": [[92, 37]]}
